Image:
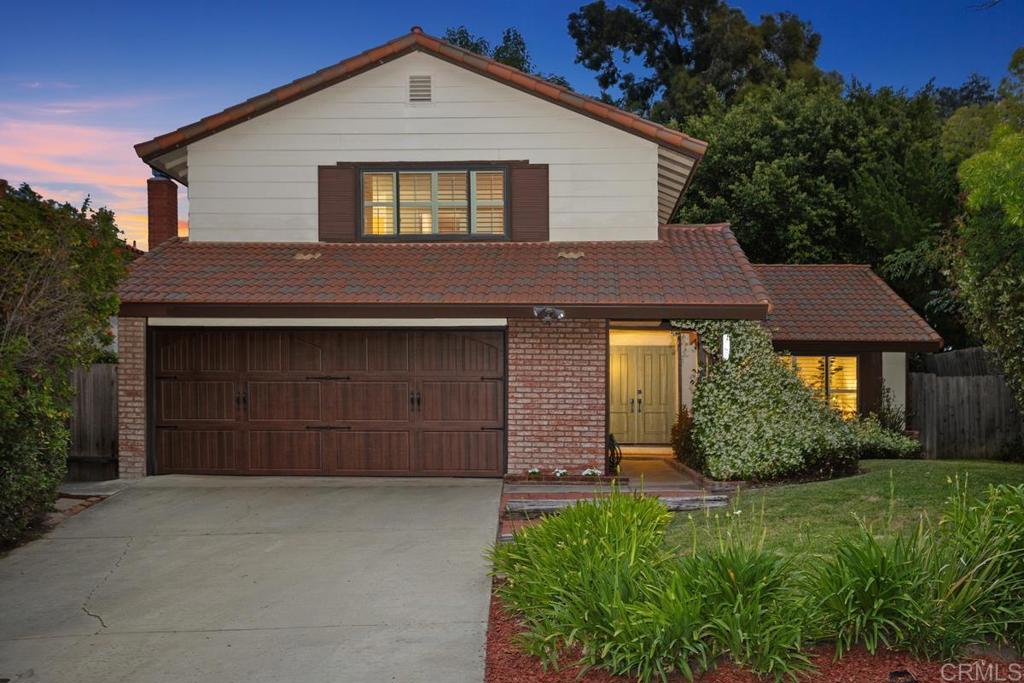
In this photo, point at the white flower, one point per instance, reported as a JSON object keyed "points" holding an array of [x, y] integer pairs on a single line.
{"points": [[533, 470], [591, 472], [559, 472]]}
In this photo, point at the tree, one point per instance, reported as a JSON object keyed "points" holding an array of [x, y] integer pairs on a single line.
{"points": [[511, 51], [693, 52], [57, 294], [991, 255], [810, 173]]}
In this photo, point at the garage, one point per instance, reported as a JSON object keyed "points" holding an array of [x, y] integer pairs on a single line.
{"points": [[328, 402]]}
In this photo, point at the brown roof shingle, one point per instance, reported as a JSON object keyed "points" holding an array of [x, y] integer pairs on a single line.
{"points": [[690, 270], [417, 40], [842, 304]]}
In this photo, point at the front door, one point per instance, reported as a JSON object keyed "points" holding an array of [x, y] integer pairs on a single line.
{"points": [[642, 392]]}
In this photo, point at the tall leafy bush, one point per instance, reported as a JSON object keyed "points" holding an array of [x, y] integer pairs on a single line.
{"points": [[754, 419], [61, 265]]}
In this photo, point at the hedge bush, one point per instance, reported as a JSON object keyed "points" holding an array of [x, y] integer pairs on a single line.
{"points": [[875, 441], [754, 419], [599, 582], [61, 265]]}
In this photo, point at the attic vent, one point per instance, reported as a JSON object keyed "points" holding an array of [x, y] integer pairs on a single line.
{"points": [[419, 88]]}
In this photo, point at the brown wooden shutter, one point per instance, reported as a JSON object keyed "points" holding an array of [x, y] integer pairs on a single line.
{"points": [[869, 382], [339, 203], [528, 194]]}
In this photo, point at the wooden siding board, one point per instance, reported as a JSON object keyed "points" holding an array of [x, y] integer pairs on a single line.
{"points": [[363, 119]]}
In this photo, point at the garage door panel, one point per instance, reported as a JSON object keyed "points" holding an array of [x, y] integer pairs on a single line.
{"points": [[387, 351], [284, 401], [372, 402], [465, 401], [196, 451], [354, 452], [461, 352], [461, 452], [195, 400], [284, 452], [184, 351]]}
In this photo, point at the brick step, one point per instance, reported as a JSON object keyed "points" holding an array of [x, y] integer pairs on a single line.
{"points": [[534, 507]]}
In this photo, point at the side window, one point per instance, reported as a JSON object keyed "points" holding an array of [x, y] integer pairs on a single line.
{"points": [[832, 378]]}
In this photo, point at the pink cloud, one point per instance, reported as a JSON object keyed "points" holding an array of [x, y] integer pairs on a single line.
{"points": [[67, 162]]}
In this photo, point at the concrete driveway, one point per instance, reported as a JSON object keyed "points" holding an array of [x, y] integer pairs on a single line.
{"points": [[256, 579]]}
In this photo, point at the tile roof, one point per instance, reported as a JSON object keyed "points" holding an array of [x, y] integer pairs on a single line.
{"points": [[690, 269], [417, 40], [841, 303]]}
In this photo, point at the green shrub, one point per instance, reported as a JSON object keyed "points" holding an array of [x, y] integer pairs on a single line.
{"points": [[869, 591], [754, 419], [580, 577], [876, 441], [682, 441], [60, 270], [938, 591], [752, 610], [599, 577]]}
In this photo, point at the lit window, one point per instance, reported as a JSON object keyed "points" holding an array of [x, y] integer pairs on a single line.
{"points": [[450, 202], [832, 378]]}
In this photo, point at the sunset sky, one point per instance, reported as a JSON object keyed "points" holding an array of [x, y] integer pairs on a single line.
{"points": [[79, 86]]}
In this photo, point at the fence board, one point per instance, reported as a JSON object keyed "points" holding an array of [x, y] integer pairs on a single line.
{"points": [[967, 416], [94, 413]]}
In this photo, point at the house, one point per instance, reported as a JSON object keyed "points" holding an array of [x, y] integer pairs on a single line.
{"points": [[419, 261]]}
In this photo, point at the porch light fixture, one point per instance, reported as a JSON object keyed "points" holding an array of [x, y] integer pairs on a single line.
{"points": [[548, 313], [726, 346]]}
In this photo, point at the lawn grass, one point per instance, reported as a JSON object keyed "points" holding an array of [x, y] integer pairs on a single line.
{"points": [[890, 496]]}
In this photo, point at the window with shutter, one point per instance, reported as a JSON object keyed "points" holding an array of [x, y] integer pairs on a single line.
{"points": [[443, 201]]}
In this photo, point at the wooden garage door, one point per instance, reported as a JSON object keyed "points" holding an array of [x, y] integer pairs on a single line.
{"points": [[329, 402]]}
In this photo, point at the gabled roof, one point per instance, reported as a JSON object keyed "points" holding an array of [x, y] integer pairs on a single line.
{"points": [[841, 305], [416, 40], [692, 271]]}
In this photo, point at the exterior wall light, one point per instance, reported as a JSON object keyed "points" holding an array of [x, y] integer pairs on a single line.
{"points": [[548, 313], [726, 346]]}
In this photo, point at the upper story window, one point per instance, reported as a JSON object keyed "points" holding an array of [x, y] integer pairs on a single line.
{"points": [[424, 203], [833, 378]]}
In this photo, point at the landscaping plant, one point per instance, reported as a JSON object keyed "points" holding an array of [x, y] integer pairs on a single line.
{"points": [[60, 270], [754, 419]]}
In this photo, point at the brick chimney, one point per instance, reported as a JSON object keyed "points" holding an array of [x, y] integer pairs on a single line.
{"points": [[163, 209]]}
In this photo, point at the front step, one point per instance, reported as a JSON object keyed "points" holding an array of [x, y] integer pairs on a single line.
{"points": [[527, 509]]}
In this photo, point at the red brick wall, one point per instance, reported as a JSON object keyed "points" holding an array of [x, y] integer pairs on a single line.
{"points": [[163, 210], [131, 397], [557, 394]]}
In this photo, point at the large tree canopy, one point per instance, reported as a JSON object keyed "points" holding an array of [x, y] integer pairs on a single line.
{"points": [[693, 52]]}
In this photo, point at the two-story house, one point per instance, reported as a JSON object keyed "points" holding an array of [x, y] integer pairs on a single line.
{"points": [[420, 261]]}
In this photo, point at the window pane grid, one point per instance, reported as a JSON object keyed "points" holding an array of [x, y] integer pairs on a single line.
{"points": [[833, 378], [449, 202], [379, 203]]}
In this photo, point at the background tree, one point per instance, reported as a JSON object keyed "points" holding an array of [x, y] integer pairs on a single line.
{"points": [[693, 52], [57, 294], [511, 51], [991, 254]]}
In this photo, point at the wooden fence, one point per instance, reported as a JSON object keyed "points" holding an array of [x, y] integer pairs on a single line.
{"points": [[93, 452], [962, 409]]}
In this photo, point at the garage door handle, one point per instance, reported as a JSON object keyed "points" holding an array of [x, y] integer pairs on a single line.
{"points": [[324, 428], [328, 377], [492, 429]]}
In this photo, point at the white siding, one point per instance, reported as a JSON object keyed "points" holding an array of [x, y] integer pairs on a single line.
{"points": [[894, 376], [257, 180]]}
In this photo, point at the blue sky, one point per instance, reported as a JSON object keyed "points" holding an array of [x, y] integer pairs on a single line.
{"points": [[81, 82]]}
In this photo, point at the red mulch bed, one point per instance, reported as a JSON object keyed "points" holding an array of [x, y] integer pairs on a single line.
{"points": [[506, 663]]}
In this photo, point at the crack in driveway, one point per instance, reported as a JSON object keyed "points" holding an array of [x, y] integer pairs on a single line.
{"points": [[102, 581]]}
